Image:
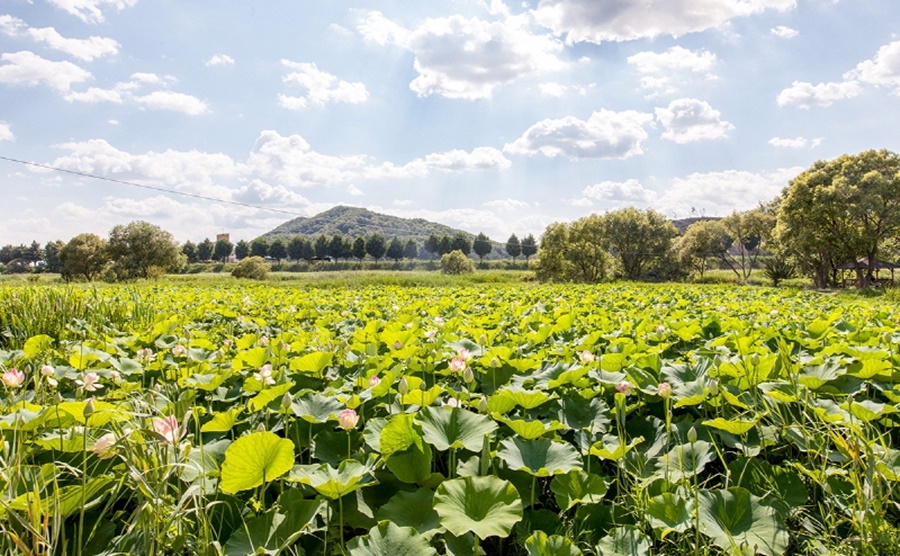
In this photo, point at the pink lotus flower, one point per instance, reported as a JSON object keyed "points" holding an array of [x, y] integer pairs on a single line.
{"points": [[374, 381], [168, 428], [90, 382], [178, 351], [348, 419], [104, 446], [624, 388], [664, 390], [430, 334], [458, 365], [464, 354], [13, 378], [264, 375], [586, 357], [49, 375]]}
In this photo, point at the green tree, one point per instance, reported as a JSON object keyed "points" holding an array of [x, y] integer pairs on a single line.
{"points": [[85, 255], [222, 249], [456, 262], [574, 252], [336, 247], [637, 238], [205, 250], [411, 250], [432, 244], [309, 250], [189, 248], [321, 246], [51, 255], [277, 250], [259, 247], [461, 242], [252, 268], [241, 250], [376, 246], [482, 246], [295, 248], [840, 211], [143, 250], [513, 247], [529, 247], [359, 248], [444, 245], [749, 232], [395, 250], [33, 253], [701, 240]]}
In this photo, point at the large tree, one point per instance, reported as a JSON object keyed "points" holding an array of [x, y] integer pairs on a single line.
{"points": [[205, 250], [395, 250], [637, 238], [461, 242], [51, 255], [241, 250], [376, 246], [223, 249], [840, 211], [359, 248], [411, 250], [482, 246], [143, 250], [513, 247], [259, 247], [529, 247], [749, 232], [189, 248], [574, 252], [701, 240], [295, 247], [84, 256], [278, 250]]}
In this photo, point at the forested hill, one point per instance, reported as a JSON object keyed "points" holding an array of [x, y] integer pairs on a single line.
{"points": [[354, 221]]}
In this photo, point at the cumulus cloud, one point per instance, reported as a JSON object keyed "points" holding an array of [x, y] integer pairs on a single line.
{"points": [[467, 58], [606, 134], [612, 193], [784, 32], [177, 102], [622, 20], [291, 160], [84, 49], [91, 11], [6, 133], [720, 193], [687, 120], [94, 95], [805, 95], [506, 204], [258, 192], [661, 71], [321, 87], [220, 60], [796, 143], [27, 68], [883, 70]]}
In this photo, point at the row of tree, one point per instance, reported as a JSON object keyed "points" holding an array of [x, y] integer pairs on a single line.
{"points": [[299, 248]]}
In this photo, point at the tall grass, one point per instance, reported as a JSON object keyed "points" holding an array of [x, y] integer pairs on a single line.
{"points": [[52, 310]]}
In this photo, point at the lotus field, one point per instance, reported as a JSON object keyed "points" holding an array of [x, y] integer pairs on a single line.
{"points": [[517, 419]]}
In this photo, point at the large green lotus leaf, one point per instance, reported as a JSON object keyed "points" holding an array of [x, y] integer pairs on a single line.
{"points": [[446, 428], [312, 363], [412, 509], [889, 465], [486, 506], [530, 429], [253, 358], [316, 408], [465, 545], [276, 529], [222, 421], [868, 410], [578, 487], [736, 427], [734, 517], [372, 433], [527, 399], [814, 377], [404, 450], [686, 460], [203, 461], [781, 488], [254, 459], [624, 541], [334, 483], [334, 446], [609, 447], [388, 539], [36, 345], [422, 398], [579, 413], [65, 501], [540, 544], [669, 513], [267, 396], [542, 458]]}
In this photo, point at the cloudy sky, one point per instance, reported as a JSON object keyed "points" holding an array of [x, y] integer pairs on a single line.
{"points": [[486, 115]]}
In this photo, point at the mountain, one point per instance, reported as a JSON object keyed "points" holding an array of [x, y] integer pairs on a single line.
{"points": [[355, 221]]}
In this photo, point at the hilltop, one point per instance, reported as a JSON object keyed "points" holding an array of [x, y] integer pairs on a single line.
{"points": [[355, 221]]}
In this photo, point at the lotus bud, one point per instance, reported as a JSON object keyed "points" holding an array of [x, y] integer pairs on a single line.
{"points": [[468, 375], [374, 381], [754, 359], [89, 407], [714, 388], [287, 400], [664, 390], [495, 363], [483, 405], [403, 386], [692, 435], [348, 419]]}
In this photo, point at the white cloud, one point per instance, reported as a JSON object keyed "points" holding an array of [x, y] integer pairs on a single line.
{"points": [[721, 193], [660, 71], [687, 120], [354, 191], [148, 78], [606, 134], [322, 88], [805, 95], [626, 193], [552, 89], [258, 192], [784, 32], [291, 161], [91, 11], [10, 25], [6, 133], [621, 20], [465, 58], [796, 143], [506, 204], [83, 49], [479, 159], [220, 60], [27, 68], [177, 102], [882, 70], [94, 95]]}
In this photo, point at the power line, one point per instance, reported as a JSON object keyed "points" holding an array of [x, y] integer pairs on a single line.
{"points": [[150, 187]]}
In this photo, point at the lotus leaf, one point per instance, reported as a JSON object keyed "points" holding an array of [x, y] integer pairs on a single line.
{"points": [[485, 506], [255, 459]]}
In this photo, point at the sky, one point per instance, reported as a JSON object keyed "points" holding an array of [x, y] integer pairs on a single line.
{"points": [[226, 116]]}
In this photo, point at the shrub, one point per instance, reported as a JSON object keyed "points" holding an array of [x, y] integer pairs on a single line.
{"points": [[254, 268], [455, 262]]}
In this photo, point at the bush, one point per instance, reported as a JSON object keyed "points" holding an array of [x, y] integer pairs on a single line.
{"points": [[455, 262], [254, 268]]}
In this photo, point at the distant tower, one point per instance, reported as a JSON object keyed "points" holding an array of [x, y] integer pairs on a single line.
{"points": [[226, 237]]}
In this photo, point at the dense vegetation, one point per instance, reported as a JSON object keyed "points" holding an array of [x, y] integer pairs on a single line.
{"points": [[540, 420]]}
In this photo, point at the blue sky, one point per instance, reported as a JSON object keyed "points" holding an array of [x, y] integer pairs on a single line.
{"points": [[490, 116]]}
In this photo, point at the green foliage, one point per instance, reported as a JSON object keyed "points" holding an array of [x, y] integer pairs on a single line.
{"points": [[513, 247], [376, 246], [85, 256], [143, 250], [779, 268], [638, 239], [253, 268], [574, 252], [482, 246], [223, 249], [456, 262]]}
